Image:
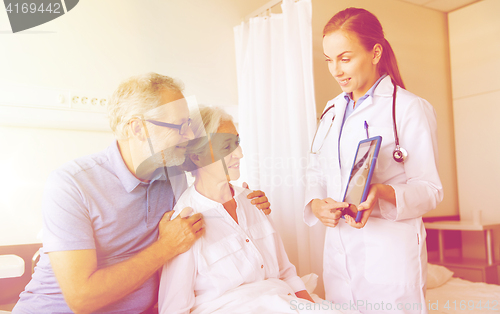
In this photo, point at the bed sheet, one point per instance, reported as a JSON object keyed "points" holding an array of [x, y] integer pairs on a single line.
{"points": [[454, 296], [463, 296], [270, 296]]}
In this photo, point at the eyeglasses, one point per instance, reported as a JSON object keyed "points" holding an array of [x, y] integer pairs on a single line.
{"points": [[181, 127], [322, 131]]}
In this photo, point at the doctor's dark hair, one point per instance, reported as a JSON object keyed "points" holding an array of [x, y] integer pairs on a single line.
{"points": [[368, 29]]}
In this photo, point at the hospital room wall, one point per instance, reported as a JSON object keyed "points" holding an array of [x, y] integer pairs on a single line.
{"points": [[95, 45], [419, 38], [92, 48], [475, 68]]}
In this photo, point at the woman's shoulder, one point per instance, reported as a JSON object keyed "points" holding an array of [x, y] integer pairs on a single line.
{"points": [[407, 95], [187, 199], [238, 190], [240, 195], [412, 105], [403, 97], [252, 213]]}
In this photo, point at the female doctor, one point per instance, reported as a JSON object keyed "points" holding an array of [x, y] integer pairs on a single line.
{"points": [[379, 263]]}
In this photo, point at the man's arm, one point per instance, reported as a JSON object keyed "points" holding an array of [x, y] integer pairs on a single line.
{"points": [[86, 288]]}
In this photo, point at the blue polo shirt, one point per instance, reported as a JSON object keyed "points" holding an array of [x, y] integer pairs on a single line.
{"points": [[95, 202]]}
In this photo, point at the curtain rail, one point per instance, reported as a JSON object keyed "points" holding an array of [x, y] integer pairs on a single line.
{"points": [[263, 9]]}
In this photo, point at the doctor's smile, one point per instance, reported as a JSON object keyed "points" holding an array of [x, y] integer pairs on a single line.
{"points": [[344, 82]]}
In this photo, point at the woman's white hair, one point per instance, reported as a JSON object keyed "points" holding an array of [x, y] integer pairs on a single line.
{"points": [[138, 96], [204, 123]]}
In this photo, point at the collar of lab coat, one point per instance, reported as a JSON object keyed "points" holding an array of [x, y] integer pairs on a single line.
{"points": [[384, 89]]}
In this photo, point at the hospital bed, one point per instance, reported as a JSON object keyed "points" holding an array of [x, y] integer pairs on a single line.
{"points": [[445, 293]]}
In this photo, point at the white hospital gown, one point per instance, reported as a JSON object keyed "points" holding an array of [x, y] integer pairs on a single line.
{"points": [[228, 255]]}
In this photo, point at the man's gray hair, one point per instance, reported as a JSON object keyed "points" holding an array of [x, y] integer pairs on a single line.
{"points": [[138, 96]]}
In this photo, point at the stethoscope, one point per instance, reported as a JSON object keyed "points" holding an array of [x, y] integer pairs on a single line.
{"points": [[399, 153]]}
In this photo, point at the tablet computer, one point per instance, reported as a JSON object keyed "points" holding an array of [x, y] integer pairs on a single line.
{"points": [[361, 175]]}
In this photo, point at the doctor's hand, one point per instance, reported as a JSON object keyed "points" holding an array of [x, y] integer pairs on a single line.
{"points": [[328, 211], [259, 199], [377, 191]]}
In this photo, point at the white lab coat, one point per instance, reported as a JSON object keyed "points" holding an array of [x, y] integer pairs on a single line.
{"points": [[386, 261]]}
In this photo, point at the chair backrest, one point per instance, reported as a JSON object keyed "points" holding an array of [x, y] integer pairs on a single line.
{"points": [[34, 260]]}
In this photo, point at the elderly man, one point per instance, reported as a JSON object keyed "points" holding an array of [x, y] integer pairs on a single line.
{"points": [[107, 228]]}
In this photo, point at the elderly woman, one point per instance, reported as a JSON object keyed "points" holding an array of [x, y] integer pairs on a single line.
{"points": [[240, 264]]}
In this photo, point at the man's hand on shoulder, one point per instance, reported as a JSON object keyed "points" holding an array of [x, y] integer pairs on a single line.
{"points": [[259, 199], [180, 233]]}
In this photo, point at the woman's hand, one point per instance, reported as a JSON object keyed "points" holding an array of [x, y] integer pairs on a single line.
{"points": [[303, 294], [377, 191], [328, 211]]}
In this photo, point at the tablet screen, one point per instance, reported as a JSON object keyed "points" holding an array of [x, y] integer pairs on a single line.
{"points": [[359, 180]]}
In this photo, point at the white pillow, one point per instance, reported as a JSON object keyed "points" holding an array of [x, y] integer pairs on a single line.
{"points": [[310, 281], [437, 275]]}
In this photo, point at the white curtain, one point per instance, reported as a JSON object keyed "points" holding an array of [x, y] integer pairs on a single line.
{"points": [[277, 120]]}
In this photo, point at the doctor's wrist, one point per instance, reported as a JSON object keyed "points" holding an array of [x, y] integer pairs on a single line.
{"points": [[316, 207], [386, 192]]}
